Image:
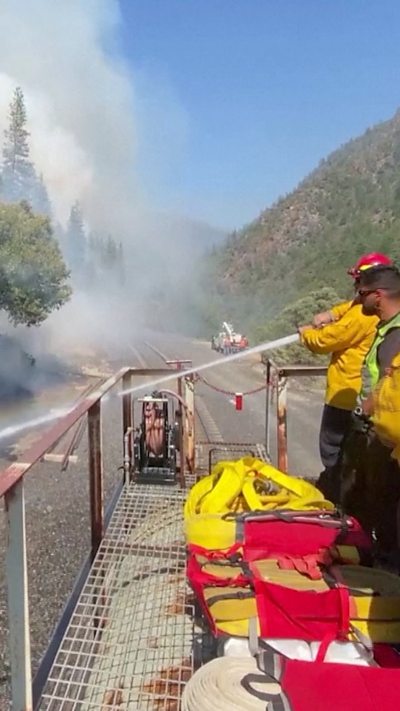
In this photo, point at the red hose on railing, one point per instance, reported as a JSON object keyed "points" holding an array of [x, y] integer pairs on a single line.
{"points": [[154, 427], [154, 422]]}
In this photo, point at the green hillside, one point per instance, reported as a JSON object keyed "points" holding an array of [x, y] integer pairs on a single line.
{"points": [[348, 205]]}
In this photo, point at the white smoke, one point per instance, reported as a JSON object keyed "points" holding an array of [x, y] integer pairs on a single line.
{"points": [[92, 124], [80, 102]]}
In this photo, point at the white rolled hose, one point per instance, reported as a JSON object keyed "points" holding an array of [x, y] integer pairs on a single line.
{"points": [[217, 686]]}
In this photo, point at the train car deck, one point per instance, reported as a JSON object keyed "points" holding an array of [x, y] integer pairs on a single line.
{"points": [[129, 643]]}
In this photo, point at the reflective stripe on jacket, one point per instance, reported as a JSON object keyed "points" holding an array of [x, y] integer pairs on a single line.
{"points": [[370, 370], [348, 340]]}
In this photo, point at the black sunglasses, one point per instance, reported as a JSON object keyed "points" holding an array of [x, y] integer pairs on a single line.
{"points": [[365, 292]]}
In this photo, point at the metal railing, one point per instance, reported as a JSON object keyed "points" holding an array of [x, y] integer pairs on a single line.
{"points": [[278, 377], [12, 489], [25, 694]]}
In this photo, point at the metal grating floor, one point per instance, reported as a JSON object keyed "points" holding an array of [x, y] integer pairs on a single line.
{"points": [[129, 642]]}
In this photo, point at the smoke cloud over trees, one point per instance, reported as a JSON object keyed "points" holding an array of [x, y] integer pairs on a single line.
{"points": [[82, 130]]}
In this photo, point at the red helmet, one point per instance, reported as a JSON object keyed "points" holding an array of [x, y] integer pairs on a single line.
{"points": [[373, 259]]}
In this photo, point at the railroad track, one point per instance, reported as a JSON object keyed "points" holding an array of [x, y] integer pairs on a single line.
{"points": [[157, 351]]}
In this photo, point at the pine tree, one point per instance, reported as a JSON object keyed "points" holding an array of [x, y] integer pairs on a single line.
{"points": [[18, 177], [105, 261], [19, 180], [40, 198], [33, 275]]}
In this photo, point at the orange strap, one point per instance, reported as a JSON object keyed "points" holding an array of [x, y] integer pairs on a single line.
{"points": [[308, 565]]}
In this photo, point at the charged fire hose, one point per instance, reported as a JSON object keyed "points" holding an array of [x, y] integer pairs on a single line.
{"points": [[155, 423], [154, 428], [218, 685]]}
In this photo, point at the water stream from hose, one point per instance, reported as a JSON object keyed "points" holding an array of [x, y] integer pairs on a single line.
{"points": [[270, 345], [55, 415], [50, 416]]}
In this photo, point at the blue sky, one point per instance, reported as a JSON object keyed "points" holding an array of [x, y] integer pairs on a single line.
{"points": [[238, 100]]}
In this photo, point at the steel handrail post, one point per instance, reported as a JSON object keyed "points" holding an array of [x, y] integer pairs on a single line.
{"points": [[190, 422], [267, 405], [182, 417], [127, 422], [281, 408], [18, 601], [96, 475]]}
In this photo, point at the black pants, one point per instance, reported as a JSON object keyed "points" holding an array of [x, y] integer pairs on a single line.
{"points": [[354, 475], [335, 426], [370, 487]]}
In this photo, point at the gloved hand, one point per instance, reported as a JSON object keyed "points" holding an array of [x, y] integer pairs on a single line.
{"points": [[360, 422]]}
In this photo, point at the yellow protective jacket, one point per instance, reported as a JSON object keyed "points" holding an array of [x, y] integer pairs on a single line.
{"points": [[348, 340], [340, 309], [386, 408]]}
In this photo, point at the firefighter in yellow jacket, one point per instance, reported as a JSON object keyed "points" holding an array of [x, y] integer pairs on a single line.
{"points": [[385, 416], [385, 410], [377, 469], [347, 334]]}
